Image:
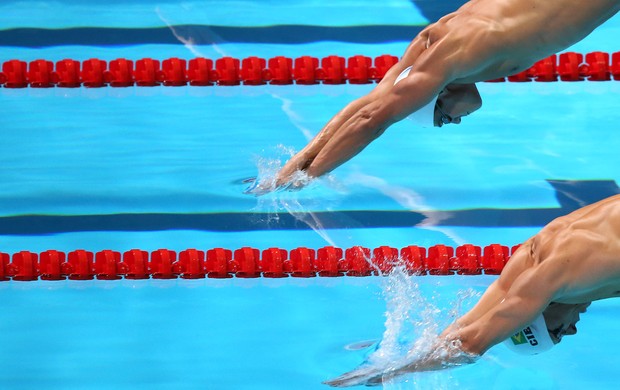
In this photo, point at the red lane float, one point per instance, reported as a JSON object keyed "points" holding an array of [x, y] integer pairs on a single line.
{"points": [[200, 72], [92, 73], [120, 73], [301, 263], [280, 70], [51, 265], [246, 262], [161, 264]]}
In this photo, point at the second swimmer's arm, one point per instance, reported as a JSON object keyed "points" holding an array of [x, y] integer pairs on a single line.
{"points": [[373, 119]]}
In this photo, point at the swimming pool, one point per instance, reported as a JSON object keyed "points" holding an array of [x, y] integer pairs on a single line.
{"points": [[150, 168]]}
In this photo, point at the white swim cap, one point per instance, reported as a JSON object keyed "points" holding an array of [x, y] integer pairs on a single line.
{"points": [[532, 340], [425, 116]]}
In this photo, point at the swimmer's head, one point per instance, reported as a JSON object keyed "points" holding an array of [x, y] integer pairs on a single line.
{"points": [[562, 318], [454, 102]]}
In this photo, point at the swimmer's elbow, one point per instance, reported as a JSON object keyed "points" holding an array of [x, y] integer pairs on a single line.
{"points": [[371, 122]]}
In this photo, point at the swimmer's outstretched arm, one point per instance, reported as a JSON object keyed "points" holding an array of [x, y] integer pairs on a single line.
{"points": [[365, 119], [443, 355], [302, 160], [528, 296], [359, 124], [496, 292]]}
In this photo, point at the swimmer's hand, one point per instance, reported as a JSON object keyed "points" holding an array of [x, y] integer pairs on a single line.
{"points": [[367, 375], [444, 354], [363, 375], [294, 174], [266, 186], [258, 187], [287, 179]]}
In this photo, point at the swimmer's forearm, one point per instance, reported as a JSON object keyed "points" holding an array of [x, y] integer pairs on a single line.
{"points": [[334, 125], [305, 157], [339, 127], [440, 360], [359, 123], [363, 127], [444, 355], [525, 300], [352, 138]]}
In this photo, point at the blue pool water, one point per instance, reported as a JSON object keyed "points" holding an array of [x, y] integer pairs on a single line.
{"points": [[154, 168]]}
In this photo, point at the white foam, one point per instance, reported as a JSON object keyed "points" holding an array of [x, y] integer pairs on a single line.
{"points": [[287, 199], [414, 322]]}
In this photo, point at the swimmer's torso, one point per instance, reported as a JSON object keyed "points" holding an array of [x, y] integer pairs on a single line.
{"points": [[513, 34]]}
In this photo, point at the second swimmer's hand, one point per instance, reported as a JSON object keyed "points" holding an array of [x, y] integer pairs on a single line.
{"points": [[291, 177], [363, 375], [293, 174]]}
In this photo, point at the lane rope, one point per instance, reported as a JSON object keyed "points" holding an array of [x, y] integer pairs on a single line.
{"points": [[247, 262], [280, 70]]}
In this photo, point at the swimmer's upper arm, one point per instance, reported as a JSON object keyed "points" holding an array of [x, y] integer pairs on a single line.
{"points": [[412, 93], [432, 70], [530, 293], [389, 103]]}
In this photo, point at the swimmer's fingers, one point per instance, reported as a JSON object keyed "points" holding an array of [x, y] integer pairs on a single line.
{"points": [[267, 187], [258, 191], [290, 178], [297, 163], [294, 185], [263, 187], [253, 187], [295, 182], [258, 188], [375, 381], [360, 376]]}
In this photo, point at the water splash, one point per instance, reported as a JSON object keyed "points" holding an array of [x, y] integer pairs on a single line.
{"points": [[274, 199], [413, 324], [268, 168], [409, 316], [413, 319]]}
